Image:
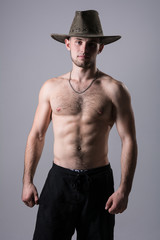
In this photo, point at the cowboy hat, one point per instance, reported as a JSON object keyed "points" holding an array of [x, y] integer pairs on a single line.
{"points": [[86, 24]]}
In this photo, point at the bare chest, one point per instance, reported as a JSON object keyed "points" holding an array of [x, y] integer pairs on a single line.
{"points": [[94, 103]]}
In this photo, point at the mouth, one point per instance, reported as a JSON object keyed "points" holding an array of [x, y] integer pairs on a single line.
{"points": [[83, 57]]}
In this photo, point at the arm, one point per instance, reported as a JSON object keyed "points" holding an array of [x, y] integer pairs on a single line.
{"points": [[117, 203], [35, 145]]}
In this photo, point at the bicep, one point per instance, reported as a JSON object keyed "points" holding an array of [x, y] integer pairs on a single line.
{"points": [[125, 117], [42, 116], [125, 123]]}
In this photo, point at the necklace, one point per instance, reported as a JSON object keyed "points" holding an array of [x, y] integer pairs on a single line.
{"points": [[87, 87]]}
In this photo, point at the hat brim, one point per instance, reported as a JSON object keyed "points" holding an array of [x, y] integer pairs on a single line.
{"points": [[104, 39]]}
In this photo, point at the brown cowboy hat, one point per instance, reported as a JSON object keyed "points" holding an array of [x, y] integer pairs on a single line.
{"points": [[86, 24]]}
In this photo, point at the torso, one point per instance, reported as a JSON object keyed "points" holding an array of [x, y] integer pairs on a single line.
{"points": [[81, 123]]}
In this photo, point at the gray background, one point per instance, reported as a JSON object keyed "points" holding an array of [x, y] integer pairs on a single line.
{"points": [[29, 57]]}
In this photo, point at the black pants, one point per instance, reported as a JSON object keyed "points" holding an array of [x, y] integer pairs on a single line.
{"points": [[75, 200]]}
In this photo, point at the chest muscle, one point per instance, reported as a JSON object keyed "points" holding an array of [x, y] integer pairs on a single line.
{"points": [[93, 104]]}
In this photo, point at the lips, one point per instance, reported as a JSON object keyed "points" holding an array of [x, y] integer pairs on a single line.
{"points": [[83, 56]]}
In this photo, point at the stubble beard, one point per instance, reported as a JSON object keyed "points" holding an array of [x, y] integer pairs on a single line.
{"points": [[84, 64]]}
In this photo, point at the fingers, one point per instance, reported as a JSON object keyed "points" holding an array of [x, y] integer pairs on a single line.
{"points": [[111, 206], [113, 209], [109, 203], [29, 203], [33, 201], [116, 203], [30, 195], [36, 199], [116, 210]]}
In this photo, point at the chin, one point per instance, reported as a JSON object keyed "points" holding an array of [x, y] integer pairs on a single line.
{"points": [[84, 64]]}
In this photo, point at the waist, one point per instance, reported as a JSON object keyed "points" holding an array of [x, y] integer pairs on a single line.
{"points": [[78, 163], [90, 171]]}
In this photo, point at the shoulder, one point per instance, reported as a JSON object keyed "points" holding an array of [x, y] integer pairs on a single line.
{"points": [[53, 82], [119, 92], [47, 88], [51, 85], [115, 89]]}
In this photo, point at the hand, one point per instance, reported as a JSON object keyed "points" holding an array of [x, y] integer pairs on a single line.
{"points": [[30, 195], [117, 202]]}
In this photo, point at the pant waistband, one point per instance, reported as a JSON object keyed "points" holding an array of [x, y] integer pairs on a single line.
{"points": [[91, 171]]}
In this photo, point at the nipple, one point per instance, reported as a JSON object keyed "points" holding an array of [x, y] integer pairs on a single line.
{"points": [[99, 112], [58, 109]]}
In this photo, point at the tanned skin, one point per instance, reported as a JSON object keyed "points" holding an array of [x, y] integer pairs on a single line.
{"points": [[82, 123]]}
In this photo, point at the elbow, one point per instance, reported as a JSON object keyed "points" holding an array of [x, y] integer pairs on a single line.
{"points": [[130, 141], [36, 136], [40, 136]]}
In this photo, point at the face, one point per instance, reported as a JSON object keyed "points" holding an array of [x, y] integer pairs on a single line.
{"points": [[83, 50]]}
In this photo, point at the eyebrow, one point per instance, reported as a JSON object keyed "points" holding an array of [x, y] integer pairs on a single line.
{"points": [[91, 40], [79, 38]]}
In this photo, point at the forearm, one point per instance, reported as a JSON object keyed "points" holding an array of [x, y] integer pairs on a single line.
{"points": [[33, 152], [128, 164]]}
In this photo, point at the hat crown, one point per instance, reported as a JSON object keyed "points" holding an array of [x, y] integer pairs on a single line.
{"points": [[86, 22]]}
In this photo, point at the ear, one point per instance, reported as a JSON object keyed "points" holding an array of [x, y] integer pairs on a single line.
{"points": [[101, 48], [67, 43]]}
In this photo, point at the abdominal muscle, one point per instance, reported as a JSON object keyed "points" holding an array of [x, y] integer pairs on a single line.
{"points": [[80, 143]]}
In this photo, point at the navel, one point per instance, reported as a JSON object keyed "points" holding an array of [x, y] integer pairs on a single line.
{"points": [[79, 148]]}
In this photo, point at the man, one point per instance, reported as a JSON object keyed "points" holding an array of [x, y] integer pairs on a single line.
{"points": [[83, 104]]}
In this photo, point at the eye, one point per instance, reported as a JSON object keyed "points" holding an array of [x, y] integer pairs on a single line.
{"points": [[92, 44], [78, 42]]}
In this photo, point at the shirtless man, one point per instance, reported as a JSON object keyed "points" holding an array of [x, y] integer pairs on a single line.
{"points": [[83, 105]]}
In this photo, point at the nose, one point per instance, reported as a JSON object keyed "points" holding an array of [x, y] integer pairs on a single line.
{"points": [[84, 48]]}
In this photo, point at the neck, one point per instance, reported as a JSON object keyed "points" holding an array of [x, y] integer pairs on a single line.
{"points": [[83, 74]]}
